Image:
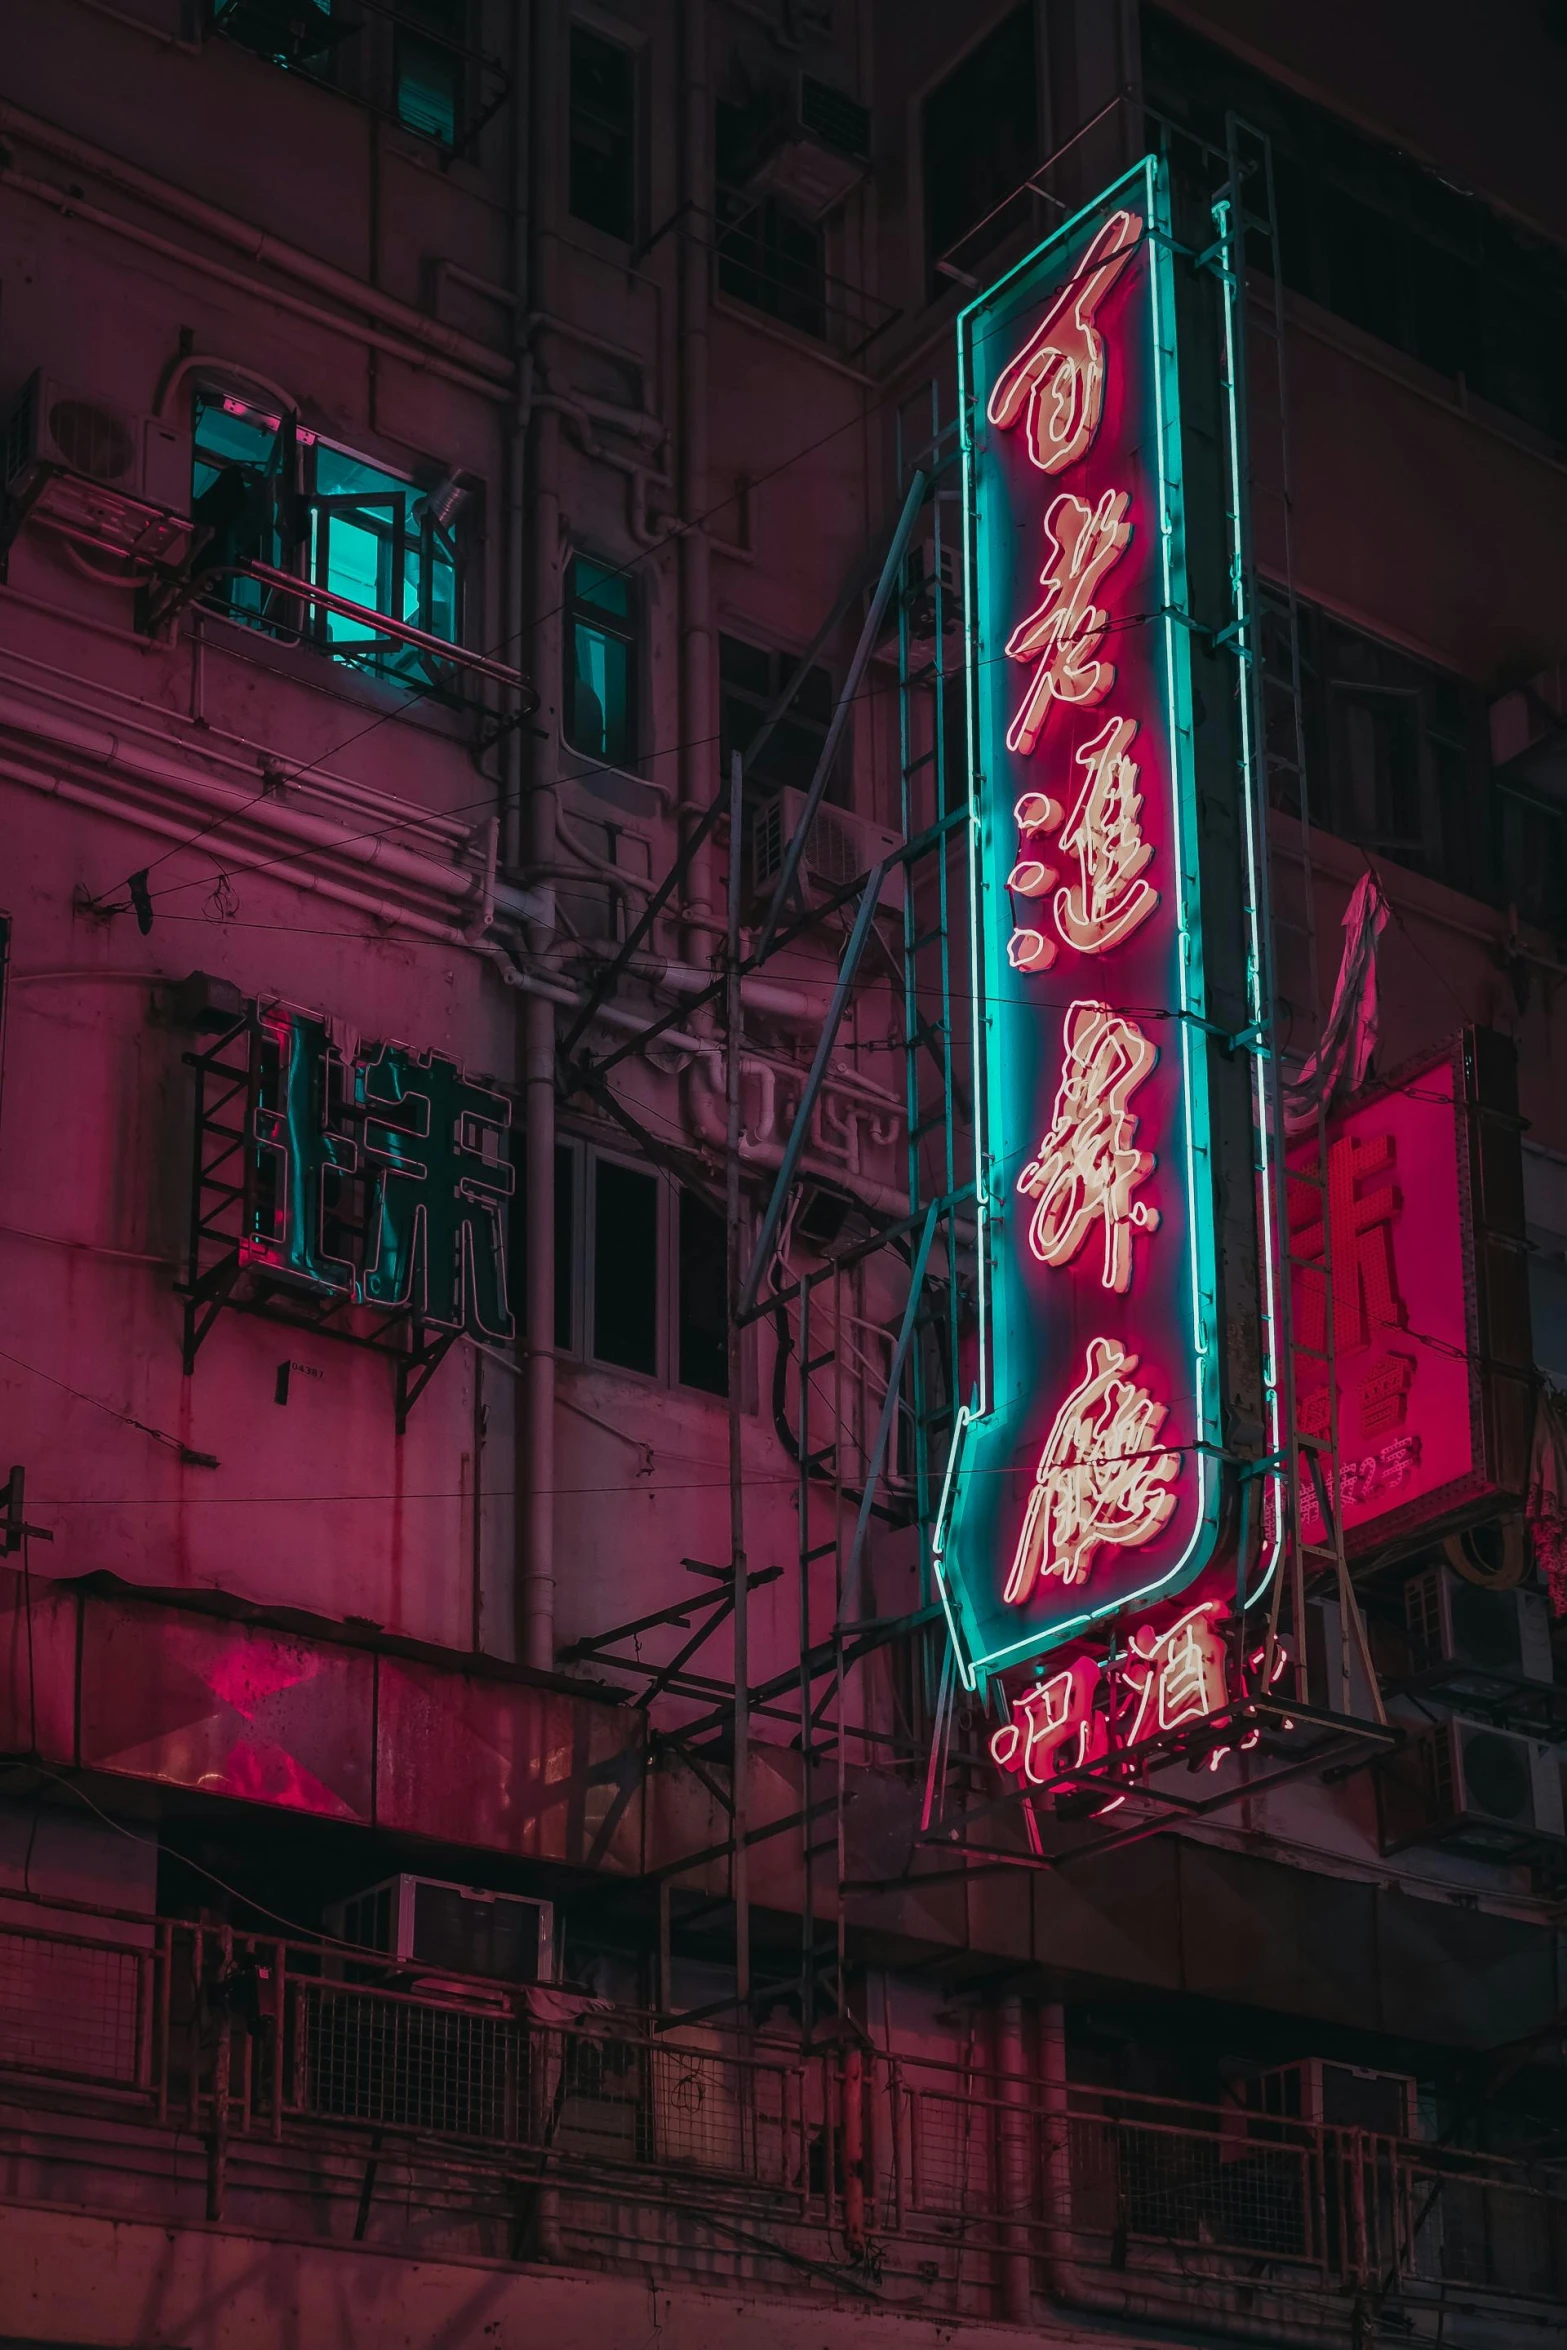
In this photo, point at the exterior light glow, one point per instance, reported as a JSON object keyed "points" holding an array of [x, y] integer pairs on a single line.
{"points": [[1088, 1165]]}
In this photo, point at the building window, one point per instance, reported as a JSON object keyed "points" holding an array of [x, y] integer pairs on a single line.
{"points": [[980, 136], [641, 1271], [428, 71], [602, 140], [750, 679], [296, 34], [270, 492], [601, 663], [1379, 239], [1394, 746], [769, 256]]}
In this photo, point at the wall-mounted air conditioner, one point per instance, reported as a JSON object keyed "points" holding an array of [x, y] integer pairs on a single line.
{"points": [[1492, 1793], [1451, 1622], [441, 1928], [823, 152], [52, 427], [841, 847], [1336, 2096]]}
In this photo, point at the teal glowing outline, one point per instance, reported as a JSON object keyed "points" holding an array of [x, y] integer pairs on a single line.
{"points": [[1258, 956], [1150, 177]]}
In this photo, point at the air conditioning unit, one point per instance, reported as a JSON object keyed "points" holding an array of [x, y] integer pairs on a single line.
{"points": [[823, 153], [54, 428], [441, 1928], [1336, 2096], [1489, 1633], [840, 849], [1492, 1793]]}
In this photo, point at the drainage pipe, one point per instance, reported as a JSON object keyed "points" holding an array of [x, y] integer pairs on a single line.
{"points": [[339, 285], [697, 771], [1014, 2123], [535, 1432]]}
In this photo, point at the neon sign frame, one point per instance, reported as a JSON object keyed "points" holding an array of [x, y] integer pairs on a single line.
{"points": [[1030, 1348]]}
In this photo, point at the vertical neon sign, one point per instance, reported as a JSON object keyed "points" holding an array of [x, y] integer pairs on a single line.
{"points": [[1084, 1476]]}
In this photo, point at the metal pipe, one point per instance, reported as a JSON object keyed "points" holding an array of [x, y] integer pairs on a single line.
{"points": [[262, 815], [733, 1043], [254, 289], [412, 326], [1014, 2120], [698, 728], [536, 1388], [853, 2091]]}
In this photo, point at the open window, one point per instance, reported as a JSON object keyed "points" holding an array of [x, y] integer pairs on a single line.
{"points": [[281, 504]]}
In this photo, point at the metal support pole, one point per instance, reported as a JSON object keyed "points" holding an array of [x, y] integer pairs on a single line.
{"points": [[742, 1731], [812, 1086], [840, 717]]}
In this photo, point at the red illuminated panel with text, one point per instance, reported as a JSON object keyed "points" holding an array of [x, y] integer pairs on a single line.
{"points": [[1401, 1287]]}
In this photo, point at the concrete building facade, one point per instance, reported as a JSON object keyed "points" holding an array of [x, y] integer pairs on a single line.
{"points": [[478, 1746]]}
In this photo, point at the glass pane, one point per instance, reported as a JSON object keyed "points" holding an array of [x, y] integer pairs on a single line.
{"points": [[596, 584], [625, 1267], [356, 562], [598, 717], [427, 88], [704, 1290], [603, 133], [338, 475]]}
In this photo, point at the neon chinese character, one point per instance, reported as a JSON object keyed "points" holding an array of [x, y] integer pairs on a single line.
{"points": [[1365, 1284], [298, 1159], [442, 1178], [1036, 1743], [1179, 1675], [1099, 1480], [1058, 378], [1064, 635], [1104, 832], [1088, 1164], [1384, 1394]]}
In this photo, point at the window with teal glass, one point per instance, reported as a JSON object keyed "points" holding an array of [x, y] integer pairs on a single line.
{"points": [[297, 34], [429, 69], [270, 493], [601, 663]]}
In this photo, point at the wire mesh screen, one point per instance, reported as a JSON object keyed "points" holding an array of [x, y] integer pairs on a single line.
{"points": [[951, 2152], [73, 2009], [413, 2067], [1191, 2187]]}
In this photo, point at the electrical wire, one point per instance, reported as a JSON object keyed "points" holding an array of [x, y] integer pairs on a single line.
{"points": [[421, 693]]}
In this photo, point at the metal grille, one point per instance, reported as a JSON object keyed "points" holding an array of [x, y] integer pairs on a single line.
{"points": [[1186, 2187], [412, 2067], [72, 2008]]}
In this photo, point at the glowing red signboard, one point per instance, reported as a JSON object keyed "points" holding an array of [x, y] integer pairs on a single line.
{"points": [[1410, 1423]]}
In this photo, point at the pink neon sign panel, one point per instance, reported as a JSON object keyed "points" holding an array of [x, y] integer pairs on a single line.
{"points": [[1395, 1202]]}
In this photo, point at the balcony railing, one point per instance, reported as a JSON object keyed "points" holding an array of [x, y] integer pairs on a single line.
{"points": [[895, 2175]]}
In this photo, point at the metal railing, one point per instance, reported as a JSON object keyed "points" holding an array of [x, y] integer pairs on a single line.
{"points": [[885, 2172]]}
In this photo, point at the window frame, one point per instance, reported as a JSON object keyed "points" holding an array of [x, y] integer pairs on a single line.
{"points": [[839, 790], [301, 526], [574, 1327], [935, 287], [633, 47], [578, 610]]}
